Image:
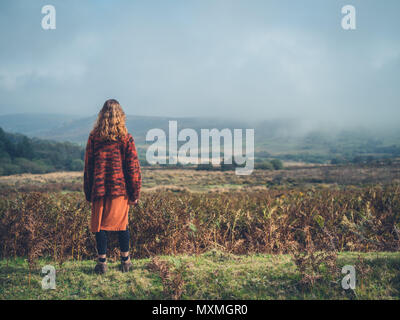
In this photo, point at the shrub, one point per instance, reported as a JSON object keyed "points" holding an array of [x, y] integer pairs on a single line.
{"points": [[169, 223], [277, 164], [265, 165], [77, 165], [9, 168]]}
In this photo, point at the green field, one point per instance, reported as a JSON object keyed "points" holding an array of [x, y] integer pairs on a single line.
{"points": [[212, 275]]}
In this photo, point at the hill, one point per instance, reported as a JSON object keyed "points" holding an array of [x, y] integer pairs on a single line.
{"points": [[34, 124], [20, 154], [76, 129], [284, 139]]}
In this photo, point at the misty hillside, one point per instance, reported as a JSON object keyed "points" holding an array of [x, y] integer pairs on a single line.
{"points": [[33, 125], [285, 139], [75, 129]]}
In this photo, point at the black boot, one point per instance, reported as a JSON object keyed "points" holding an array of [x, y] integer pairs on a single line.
{"points": [[125, 264], [101, 266]]}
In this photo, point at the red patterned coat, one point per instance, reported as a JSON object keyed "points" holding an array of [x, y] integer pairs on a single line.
{"points": [[112, 168]]}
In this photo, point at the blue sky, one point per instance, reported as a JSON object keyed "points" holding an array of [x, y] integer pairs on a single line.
{"points": [[239, 59]]}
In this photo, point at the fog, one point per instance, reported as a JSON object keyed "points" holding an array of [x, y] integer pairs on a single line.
{"points": [[246, 60]]}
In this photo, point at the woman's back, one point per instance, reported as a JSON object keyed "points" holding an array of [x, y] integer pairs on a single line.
{"points": [[111, 167]]}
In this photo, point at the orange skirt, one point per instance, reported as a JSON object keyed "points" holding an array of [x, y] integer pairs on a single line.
{"points": [[109, 214]]}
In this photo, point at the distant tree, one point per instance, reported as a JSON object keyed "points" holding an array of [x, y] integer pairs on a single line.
{"points": [[277, 164], [24, 149], [9, 168], [227, 166], [265, 165], [5, 144], [76, 165], [369, 159], [337, 160], [205, 166], [357, 159]]}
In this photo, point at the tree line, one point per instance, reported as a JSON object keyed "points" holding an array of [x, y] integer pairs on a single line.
{"points": [[20, 154]]}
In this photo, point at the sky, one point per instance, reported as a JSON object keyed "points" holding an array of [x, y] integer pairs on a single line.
{"points": [[238, 59]]}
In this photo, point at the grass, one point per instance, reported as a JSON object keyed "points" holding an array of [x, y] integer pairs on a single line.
{"points": [[212, 275]]}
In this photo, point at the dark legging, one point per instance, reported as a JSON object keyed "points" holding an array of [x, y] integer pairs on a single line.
{"points": [[101, 241]]}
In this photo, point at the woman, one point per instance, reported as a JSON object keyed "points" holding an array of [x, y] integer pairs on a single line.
{"points": [[112, 180]]}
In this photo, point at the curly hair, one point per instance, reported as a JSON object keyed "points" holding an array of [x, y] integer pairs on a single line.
{"points": [[110, 124]]}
